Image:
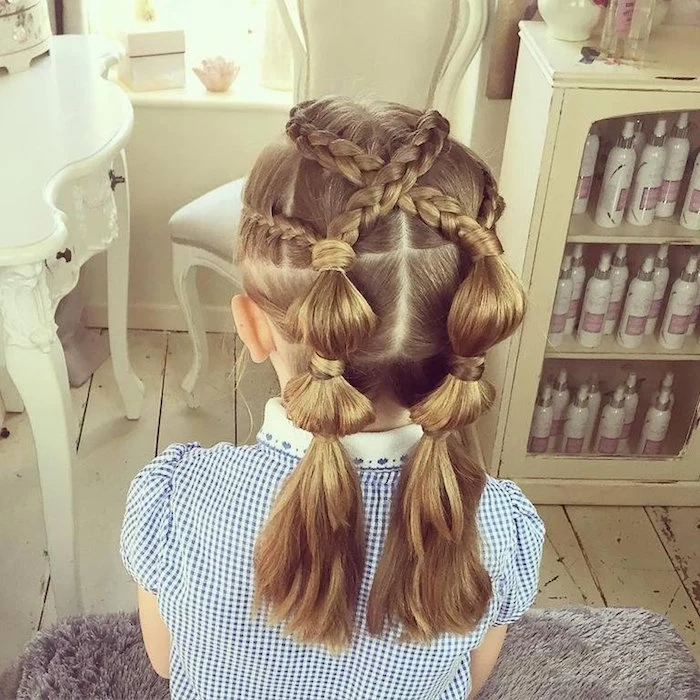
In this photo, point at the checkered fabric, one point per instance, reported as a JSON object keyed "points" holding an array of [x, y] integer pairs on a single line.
{"points": [[191, 520]]}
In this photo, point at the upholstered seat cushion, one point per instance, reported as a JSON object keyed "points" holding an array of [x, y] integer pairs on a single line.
{"points": [[211, 221]]}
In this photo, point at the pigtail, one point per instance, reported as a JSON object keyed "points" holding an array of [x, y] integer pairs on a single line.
{"points": [[431, 579]]}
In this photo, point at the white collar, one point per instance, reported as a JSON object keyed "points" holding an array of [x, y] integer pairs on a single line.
{"points": [[382, 450]]}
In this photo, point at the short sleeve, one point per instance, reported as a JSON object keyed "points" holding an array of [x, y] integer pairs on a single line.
{"points": [[148, 517], [518, 582]]}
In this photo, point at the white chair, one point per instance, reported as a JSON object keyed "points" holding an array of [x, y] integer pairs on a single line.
{"points": [[409, 51]]}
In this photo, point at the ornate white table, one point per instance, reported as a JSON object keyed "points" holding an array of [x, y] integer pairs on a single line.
{"points": [[63, 198]]}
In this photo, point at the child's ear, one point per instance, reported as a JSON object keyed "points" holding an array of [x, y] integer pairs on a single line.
{"points": [[253, 327]]}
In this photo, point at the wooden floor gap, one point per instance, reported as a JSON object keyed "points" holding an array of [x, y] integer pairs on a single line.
{"points": [[156, 448], [585, 558]]}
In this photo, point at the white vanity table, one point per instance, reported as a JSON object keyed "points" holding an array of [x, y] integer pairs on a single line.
{"points": [[63, 199]]}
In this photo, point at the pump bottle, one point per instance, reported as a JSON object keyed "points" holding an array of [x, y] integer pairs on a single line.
{"points": [[660, 284], [679, 309], [541, 421], [637, 306], [618, 277], [647, 181], [612, 422], [656, 424], [595, 305], [575, 425], [617, 178], [677, 150]]}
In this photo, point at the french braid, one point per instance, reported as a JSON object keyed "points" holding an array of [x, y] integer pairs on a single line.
{"points": [[309, 556]]}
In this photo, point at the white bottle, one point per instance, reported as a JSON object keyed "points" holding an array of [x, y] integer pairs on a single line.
{"points": [[585, 175], [575, 425], [562, 304], [541, 427], [639, 138], [656, 423], [618, 277], [560, 402], [660, 284], [690, 214], [595, 305], [677, 149], [696, 312], [619, 170], [631, 403], [593, 408], [640, 297], [647, 181], [680, 307], [578, 280], [665, 383], [612, 422]]}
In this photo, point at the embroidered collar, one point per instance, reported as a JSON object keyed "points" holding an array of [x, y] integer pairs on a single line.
{"points": [[382, 450]]}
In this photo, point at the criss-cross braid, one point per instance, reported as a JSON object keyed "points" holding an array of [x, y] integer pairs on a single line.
{"points": [[309, 558]]}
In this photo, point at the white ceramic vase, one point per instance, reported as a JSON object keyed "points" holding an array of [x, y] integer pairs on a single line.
{"points": [[569, 20]]}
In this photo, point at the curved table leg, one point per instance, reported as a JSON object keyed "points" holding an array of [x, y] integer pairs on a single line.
{"points": [[130, 386], [36, 364]]}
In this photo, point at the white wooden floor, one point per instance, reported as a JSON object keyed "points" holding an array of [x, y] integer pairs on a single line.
{"points": [[648, 557]]}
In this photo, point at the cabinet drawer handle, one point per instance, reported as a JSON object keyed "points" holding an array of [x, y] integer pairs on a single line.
{"points": [[64, 255], [115, 180]]}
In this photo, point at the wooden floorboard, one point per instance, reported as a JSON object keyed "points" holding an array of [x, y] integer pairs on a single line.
{"points": [[23, 541], [111, 451], [565, 578], [631, 567], [679, 532]]}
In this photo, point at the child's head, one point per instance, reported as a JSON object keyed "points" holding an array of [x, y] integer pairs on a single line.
{"points": [[368, 241]]}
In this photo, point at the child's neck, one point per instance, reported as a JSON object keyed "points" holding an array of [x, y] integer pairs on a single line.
{"points": [[389, 415]]}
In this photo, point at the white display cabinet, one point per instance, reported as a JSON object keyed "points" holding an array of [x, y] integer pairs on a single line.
{"points": [[557, 98]]}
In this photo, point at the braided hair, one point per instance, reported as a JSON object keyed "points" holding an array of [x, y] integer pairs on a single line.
{"points": [[369, 237]]}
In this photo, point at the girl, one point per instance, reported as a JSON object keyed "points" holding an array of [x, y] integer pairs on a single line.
{"points": [[358, 550]]}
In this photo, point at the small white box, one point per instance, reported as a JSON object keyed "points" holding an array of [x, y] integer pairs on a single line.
{"points": [[154, 59]]}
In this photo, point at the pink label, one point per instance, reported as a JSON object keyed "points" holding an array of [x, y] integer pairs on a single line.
{"points": [[622, 199], [650, 197], [608, 446], [558, 426], [623, 16], [614, 310], [635, 325], [655, 308], [538, 444], [695, 314], [573, 445], [626, 430], [652, 447], [694, 202], [679, 324], [584, 187], [669, 190], [557, 323], [593, 323], [573, 308]]}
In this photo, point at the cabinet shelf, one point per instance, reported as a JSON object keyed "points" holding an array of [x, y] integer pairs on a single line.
{"points": [[609, 349], [583, 229]]}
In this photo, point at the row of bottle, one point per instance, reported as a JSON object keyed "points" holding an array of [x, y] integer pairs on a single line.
{"points": [[609, 303], [654, 189], [565, 420]]}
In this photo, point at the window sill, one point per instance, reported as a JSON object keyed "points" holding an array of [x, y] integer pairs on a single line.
{"points": [[243, 96]]}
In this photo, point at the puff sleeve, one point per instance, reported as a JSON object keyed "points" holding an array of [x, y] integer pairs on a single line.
{"points": [[518, 582], [147, 521]]}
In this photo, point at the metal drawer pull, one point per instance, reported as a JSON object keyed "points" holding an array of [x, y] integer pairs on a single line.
{"points": [[115, 180], [65, 255]]}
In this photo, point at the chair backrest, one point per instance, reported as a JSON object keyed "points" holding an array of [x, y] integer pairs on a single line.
{"points": [[409, 51]]}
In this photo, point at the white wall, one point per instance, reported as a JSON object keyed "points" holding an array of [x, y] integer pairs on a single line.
{"points": [[177, 153]]}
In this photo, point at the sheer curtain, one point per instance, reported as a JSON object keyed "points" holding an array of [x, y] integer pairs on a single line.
{"points": [[233, 28]]}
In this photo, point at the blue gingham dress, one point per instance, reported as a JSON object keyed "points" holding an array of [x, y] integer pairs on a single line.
{"points": [[191, 520]]}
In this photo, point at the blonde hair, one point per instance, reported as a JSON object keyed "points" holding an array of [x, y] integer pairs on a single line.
{"points": [[368, 236]]}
